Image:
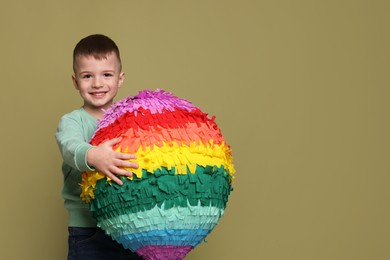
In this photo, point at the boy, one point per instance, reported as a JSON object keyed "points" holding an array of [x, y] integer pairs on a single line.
{"points": [[97, 76]]}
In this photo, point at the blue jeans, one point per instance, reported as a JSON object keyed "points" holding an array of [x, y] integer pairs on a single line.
{"points": [[94, 244]]}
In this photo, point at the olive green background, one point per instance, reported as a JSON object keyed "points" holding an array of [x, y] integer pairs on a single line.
{"points": [[300, 90]]}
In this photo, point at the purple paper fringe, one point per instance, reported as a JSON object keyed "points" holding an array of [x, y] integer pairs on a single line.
{"points": [[155, 101], [164, 252]]}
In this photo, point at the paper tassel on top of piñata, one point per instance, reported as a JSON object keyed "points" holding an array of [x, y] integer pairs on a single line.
{"points": [[180, 190]]}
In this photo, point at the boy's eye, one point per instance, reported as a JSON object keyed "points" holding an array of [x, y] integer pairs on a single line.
{"points": [[107, 75], [87, 76]]}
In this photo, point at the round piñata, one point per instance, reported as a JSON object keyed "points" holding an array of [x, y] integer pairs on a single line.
{"points": [[180, 190]]}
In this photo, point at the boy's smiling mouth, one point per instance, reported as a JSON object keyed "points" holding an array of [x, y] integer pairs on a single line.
{"points": [[98, 94]]}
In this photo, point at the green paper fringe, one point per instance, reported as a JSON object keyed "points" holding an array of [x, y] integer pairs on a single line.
{"points": [[197, 217], [209, 186]]}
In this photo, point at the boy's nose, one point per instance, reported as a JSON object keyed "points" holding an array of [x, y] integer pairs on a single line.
{"points": [[97, 83]]}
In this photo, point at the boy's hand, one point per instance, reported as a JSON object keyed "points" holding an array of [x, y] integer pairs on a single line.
{"points": [[109, 162]]}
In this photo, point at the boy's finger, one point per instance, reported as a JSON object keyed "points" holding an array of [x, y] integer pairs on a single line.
{"points": [[122, 163], [126, 156], [115, 179], [127, 164], [113, 141], [123, 172]]}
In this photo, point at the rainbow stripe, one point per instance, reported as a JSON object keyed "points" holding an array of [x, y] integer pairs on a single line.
{"points": [[181, 188]]}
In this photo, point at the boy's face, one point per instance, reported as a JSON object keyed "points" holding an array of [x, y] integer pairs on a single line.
{"points": [[97, 81]]}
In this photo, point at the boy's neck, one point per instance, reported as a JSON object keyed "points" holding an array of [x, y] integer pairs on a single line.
{"points": [[96, 113]]}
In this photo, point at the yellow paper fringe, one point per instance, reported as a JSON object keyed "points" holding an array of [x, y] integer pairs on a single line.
{"points": [[180, 156]]}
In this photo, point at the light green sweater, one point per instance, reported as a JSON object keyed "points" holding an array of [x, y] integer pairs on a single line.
{"points": [[74, 131]]}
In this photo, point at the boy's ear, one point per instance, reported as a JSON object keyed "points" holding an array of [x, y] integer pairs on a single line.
{"points": [[75, 82], [121, 79]]}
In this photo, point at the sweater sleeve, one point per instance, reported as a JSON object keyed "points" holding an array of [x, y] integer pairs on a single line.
{"points": [[73, 143]]}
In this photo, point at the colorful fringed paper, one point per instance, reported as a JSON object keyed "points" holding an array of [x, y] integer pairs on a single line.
{"points": [[180, 190]]}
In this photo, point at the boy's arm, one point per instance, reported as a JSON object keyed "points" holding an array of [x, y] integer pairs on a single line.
{"points": [[79, 154], [73, 143]]}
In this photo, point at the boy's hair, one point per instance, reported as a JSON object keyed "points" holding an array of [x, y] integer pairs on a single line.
{"points": [[96, 45]]}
